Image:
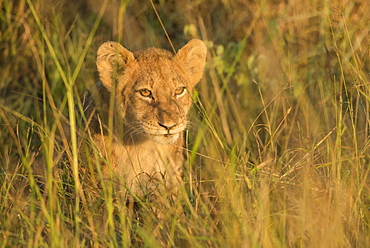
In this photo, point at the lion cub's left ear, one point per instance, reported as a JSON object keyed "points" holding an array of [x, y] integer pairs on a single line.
{"points": [[192, 57], [111, 60]]}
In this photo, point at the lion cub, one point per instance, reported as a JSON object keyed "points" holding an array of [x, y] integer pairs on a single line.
{"points": [[138, 113]]}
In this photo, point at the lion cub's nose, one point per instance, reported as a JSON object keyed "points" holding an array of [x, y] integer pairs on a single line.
{"points": [[167, 125]]}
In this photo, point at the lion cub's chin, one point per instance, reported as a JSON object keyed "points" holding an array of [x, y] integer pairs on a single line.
{"points": [[165, 139]]}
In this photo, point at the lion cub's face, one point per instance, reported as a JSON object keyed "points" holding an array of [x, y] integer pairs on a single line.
{"points": [[152, 87]]}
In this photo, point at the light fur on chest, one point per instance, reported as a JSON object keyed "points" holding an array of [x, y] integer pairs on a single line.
{"points": [[144, 167]]}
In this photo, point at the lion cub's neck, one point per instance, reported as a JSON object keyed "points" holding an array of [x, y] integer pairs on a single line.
{"points": [[144, 160]]}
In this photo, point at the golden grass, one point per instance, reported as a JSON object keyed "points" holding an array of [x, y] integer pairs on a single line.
{"points": [[279, 136]]}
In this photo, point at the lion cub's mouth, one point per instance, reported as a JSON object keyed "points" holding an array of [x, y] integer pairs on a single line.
{"points": [[163, 136], [157, 131], [164, 133]]}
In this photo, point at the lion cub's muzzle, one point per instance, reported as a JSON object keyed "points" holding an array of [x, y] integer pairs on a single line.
{"points": [[163, 129], [164, 133]]}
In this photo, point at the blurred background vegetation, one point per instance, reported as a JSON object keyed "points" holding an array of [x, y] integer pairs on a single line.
{"points": [[278, 137]]}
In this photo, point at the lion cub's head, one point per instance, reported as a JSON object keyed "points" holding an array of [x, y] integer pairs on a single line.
{"points": [[152, 87]]}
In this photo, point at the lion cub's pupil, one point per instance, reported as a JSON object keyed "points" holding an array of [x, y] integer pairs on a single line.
{"points": [[179, 90], [145, 93]]}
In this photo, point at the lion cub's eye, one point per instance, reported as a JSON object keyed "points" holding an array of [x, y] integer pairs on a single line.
{"points": [[180, 91], [145, 93]]}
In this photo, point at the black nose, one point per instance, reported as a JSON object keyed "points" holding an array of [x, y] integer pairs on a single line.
{"points": [[167, 126]]}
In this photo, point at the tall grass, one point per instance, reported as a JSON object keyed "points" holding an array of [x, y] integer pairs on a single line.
{"points": [[278, 141]]}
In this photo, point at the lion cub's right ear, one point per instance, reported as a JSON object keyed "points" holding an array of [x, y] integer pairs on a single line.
{"points": [[112, 59], [192, 57]]}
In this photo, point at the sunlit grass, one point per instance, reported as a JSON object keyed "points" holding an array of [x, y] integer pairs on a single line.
{"points": [[278, 140]]}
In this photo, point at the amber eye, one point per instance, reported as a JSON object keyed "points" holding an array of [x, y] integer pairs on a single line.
{"points": [[179, 91], [145, 93]]}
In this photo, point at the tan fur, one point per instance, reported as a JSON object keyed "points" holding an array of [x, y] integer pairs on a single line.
{"points": [[145, 145]]}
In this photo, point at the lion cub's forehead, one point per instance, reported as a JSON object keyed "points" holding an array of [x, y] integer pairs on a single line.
{"points": [[159, 67]]}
